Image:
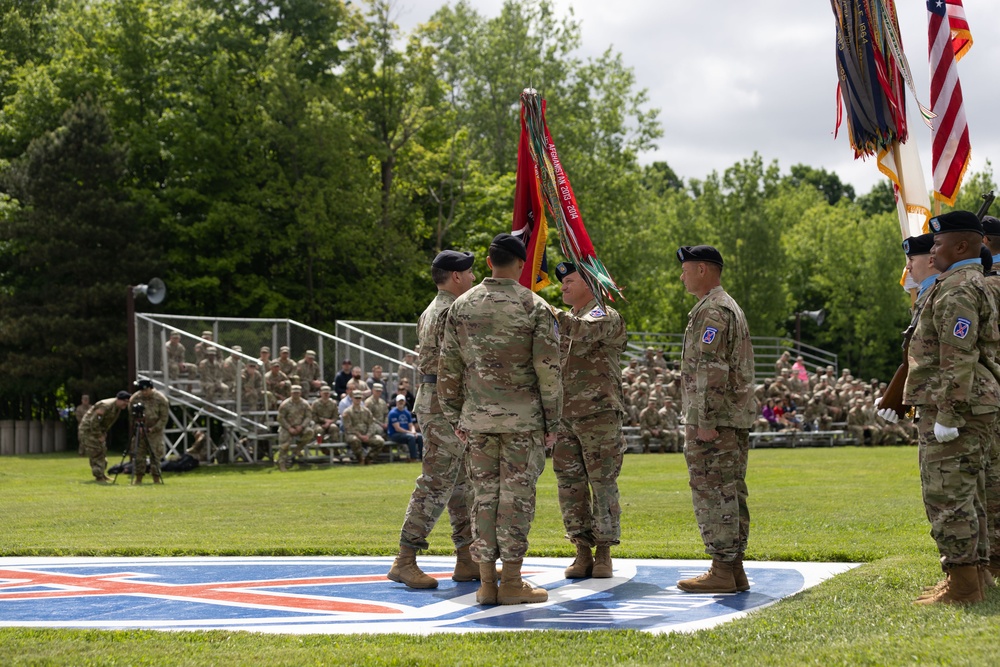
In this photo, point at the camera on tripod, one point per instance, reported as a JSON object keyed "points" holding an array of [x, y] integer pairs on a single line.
{"points": [[138, 413]]}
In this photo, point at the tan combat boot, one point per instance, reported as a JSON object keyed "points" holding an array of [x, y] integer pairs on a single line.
{"points": [[962, 588], [282, 466], [602, 563], [137, 480], [513, 590], [465, 568], [404, 570], [583, 565], [740, 575], [718, 579], [157, 479], [488, 589]]}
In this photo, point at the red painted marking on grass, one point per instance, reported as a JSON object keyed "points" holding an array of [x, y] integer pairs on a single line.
{"points": [[122, 583]]}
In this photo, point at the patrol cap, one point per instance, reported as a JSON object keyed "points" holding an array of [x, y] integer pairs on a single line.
{"points": [[284, 348], [357, 394], [956, 221], [991, 226], [237, 348], [699, 253], [206, 332], [401, 398], [918, 245], [511, 244], [123, 396], [175, 332], [144, 384], [563, 269], [325, 387], [265, 349], [310, 353], [252, 364], [453, 260], [377, 385], [296, 387], [275, 364], [212, 351]]}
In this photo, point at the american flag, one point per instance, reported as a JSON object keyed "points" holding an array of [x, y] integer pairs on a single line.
{"points": [[948, 40]]}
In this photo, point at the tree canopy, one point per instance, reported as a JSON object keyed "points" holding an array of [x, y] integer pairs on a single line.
{"points": [[307, 159]]}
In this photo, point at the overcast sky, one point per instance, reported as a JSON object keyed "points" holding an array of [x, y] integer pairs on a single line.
{"points": [[731, 77]]}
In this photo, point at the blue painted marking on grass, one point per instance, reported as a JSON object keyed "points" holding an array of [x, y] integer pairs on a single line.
{"points": [[352, 595]]}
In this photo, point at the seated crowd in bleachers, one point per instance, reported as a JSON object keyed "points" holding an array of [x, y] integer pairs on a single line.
{"points": [[794, 400]]}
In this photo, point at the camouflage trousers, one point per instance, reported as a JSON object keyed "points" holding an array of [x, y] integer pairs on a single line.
{"points": [[717, 471], [953, 482], [587, 458], [992, 489], [375, 444], [94, 447], [285, 440], [151, 445], [503, 470], [443, 481]]}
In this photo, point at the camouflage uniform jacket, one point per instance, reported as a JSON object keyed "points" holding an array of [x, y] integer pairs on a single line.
{"points": [[378, 408], [253, 385], [590, 347], [668, 417], [500, 361], [294, 412], [308, 371], [277, 383], [287, 366], [952, 355], [100, 418], [324, 408], [357, 420], [650, 418], [430, 333], [175, 353], [717, 367], [157, 410], [209, 371]]}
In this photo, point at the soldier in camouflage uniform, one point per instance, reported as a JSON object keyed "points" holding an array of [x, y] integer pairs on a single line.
{"points": [[953, 380], [176, 363], [587, 456], [500, 388], [202, 346], [378, 407], [285, 362], [94, 432], [309, 374], [210, 376], [669, 422], [232, 367], [650, 425], [719, 408], [277, 385], [360, 430], [156, 413], [443, 478], [991, 238], [253, 388], [294, 423], [326, 414]]}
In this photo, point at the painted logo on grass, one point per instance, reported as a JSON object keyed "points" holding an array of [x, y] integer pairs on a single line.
{"points": [[352, 595]]}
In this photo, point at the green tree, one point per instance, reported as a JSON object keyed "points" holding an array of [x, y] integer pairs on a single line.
{"points": [[72, 248], [825, 181]]}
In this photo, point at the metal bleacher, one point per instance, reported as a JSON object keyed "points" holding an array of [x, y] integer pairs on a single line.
{"points": [[233, 433]]}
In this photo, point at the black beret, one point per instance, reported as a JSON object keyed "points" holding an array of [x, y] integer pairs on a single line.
{"points": [[956, 221], [123, 396], [991, 226], [699, 253], [144, 384], [511, 244], [453, 260], [918, 245], [563, 269], [986, 257]]}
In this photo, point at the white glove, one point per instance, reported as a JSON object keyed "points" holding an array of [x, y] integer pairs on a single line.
{"points": [[887, 414], [944, 433]]}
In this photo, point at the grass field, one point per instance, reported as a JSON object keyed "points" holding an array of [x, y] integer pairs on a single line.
{"points": [[845, 504]]}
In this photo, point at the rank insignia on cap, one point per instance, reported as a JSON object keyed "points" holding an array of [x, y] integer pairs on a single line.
{"points": [[961, 328], [709, 336], [597, 312], [935, 224]]}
